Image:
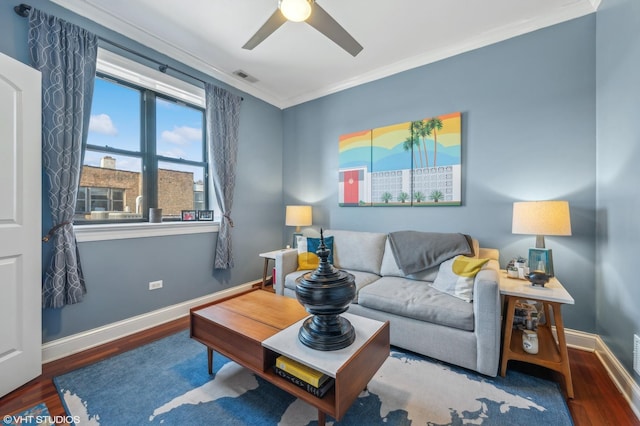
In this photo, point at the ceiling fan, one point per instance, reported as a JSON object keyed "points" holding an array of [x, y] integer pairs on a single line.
{"points": [[310, 12]]}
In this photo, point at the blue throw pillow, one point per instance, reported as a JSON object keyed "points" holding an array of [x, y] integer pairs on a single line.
{"points": [[307, 247]]}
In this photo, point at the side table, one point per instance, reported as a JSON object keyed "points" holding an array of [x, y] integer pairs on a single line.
{"points": [[270, 255], [551, 354]]}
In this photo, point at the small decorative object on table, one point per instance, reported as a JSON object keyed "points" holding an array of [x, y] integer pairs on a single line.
{"points": [[530, 341], [326, 293], [517, 268], [539, 278]]}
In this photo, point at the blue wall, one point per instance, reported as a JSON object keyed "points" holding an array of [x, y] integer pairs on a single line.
{"points": [[118, 271], [618, 152], [530, 131], [528, 121]]}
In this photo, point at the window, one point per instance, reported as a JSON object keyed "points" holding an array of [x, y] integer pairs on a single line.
{"points": [[145, 147]]}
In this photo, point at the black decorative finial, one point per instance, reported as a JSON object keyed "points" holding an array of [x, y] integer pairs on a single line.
{"points": [[22, 10], [326, 293]]}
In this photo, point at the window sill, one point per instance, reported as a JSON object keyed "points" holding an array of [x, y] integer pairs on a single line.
{"points": [[120, 231]]}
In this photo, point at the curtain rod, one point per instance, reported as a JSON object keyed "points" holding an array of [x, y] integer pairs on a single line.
{"points": [[23, 10]]}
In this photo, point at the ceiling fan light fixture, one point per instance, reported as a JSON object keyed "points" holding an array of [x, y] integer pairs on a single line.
{"points": [[295, 10]]}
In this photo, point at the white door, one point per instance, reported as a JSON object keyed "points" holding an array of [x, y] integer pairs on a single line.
{"points": [[20, 224]]}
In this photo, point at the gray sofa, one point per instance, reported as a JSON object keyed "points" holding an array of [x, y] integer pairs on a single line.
{"points": [[422, 318]]}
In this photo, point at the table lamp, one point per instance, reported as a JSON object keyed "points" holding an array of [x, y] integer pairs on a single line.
{"points": [[297, 216], [541, 218]]}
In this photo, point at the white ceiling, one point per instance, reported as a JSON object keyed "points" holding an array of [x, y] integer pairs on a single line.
{"points": [[297, 63]]}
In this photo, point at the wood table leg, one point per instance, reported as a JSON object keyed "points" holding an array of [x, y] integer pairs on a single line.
{"points": [[264, 273], [562, 346], [322, 418], [210, 360], [508, 330]]}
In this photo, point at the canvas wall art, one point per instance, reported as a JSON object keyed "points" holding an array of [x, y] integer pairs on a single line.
{"points": [[416, 163]]}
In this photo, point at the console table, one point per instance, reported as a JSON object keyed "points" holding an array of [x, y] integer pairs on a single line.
{"points": [[551, 354]]}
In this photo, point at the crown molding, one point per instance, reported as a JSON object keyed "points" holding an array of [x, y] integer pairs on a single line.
{"points": [[572, 11], [102, 17], [119, 25]]}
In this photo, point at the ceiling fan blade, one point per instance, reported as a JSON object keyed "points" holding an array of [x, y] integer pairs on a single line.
{"points": [[273, 23], [323, 22]]}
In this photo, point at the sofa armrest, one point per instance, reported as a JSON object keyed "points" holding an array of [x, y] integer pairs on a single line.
{"points": [[487, 318], [286, 262], [489, 253]]}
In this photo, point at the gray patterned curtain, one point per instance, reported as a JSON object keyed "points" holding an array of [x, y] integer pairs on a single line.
{"points": [[66, 56], [223, 121]]}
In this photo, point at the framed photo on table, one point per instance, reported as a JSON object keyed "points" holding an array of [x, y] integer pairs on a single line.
{"points": [[205, 215], [189, 215], [541, 259]]}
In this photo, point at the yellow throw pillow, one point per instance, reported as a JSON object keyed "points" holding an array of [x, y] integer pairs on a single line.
{"points": [[467, 266], [456, 276]]}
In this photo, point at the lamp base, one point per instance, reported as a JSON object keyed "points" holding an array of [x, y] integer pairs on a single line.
{"points": [[294, 243]]}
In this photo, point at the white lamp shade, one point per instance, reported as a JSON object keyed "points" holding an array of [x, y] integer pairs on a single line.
{"points": [[541, 218], [295, 10], [298, 216]]}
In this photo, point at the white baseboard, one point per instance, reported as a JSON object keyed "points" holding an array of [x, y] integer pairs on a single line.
{"points": [[70, 345], [618, 374]]}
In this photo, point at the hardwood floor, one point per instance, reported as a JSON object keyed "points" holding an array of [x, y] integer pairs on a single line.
{"points": [[597, 400]]}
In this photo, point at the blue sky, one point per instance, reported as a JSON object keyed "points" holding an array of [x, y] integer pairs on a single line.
{"points": [[115, 122]]}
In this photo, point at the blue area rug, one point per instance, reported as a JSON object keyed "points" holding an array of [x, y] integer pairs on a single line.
{"points": [[166, 382]]}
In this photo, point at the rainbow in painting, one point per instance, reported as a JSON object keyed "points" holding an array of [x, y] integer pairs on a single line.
{"points": [[416, 163], [355, 169]]}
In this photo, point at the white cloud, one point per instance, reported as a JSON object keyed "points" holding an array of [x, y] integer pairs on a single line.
{"points": [[174, 153], [182, 135], [102, 123]]}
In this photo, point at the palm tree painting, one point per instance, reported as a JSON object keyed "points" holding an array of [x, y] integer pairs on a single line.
{"points": [[434, 125], [419, 161], [423, 131], [394, 151], [441, 178]]}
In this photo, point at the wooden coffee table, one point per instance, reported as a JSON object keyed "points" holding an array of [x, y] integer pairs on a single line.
{"points": [[237, 327]]}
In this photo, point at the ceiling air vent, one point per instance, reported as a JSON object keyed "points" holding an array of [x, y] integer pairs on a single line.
{"points": [[243, 75]]}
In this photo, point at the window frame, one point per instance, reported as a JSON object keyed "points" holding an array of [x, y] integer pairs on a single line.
{"points": [[152, 84]]}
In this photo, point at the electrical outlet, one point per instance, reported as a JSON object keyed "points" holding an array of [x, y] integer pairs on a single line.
{"points": [[636, 353], [154, 285]]}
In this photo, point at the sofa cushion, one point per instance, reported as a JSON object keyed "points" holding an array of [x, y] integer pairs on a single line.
{"points": [[359, 251], [456, 276], [417, 300], [307, 248], [362, 279]]}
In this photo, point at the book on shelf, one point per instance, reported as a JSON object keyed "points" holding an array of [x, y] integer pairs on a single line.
{"points": [[301, 371], [319, 392]]}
